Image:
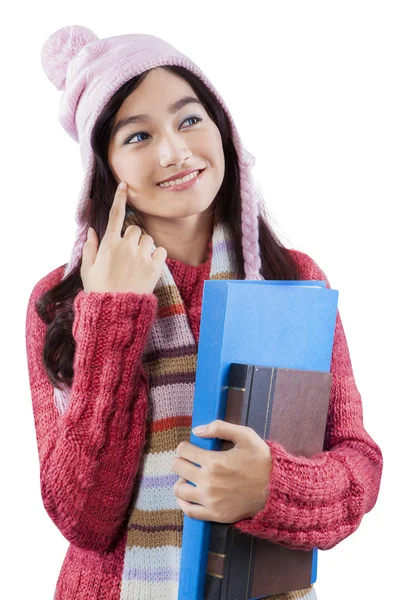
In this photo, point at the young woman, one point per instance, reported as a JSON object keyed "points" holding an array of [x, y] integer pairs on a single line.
{"points": [[112, 336]]}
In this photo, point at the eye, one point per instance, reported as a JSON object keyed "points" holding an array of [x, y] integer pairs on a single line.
{"points": [[130, 138], [190, 119]]}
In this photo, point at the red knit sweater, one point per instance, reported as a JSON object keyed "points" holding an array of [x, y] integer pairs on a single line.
{"points": [[90, 455]]}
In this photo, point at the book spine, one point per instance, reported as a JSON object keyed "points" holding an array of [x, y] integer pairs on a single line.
{"points": [[207, 406], [241, 549], [237, 407]]}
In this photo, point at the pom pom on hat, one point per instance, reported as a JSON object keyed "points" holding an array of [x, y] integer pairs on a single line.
{"points": [[60, 48]]}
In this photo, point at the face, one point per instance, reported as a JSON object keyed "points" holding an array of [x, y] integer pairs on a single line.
{"points": [[164, 143]]}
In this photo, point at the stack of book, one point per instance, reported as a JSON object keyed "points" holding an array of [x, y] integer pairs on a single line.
{"points": [[264, 357]]}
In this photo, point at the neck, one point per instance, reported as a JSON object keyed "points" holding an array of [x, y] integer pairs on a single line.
{"points": [[185, 239]]}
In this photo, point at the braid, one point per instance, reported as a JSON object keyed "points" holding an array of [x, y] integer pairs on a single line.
{"points": [[250, 242], [62, 396], [77, 251]]}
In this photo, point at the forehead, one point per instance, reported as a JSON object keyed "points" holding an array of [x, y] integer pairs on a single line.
{"points": [[159, 93]]}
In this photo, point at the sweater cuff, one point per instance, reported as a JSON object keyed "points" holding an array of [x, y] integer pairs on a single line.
{"points": [[121, 311], [283, 488]]}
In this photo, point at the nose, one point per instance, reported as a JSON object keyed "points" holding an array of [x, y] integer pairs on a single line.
{"points": [[173, 150]]}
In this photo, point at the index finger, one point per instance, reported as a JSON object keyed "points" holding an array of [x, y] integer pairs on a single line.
{"points": [[116, 215]]}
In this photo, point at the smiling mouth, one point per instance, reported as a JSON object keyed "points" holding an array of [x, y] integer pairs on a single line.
{"points": [[187, 179]]}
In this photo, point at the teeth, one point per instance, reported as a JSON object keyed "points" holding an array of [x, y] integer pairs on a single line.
{"points": [[178, 181]]}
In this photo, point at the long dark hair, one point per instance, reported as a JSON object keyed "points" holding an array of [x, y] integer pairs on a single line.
{"points": [[55, 307]]}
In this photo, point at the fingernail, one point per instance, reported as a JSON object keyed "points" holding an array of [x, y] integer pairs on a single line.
{"points": [[199, 429], [122, 185], [89, 233]]}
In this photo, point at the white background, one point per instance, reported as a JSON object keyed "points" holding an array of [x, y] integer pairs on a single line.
{"points": [[314, 89]]}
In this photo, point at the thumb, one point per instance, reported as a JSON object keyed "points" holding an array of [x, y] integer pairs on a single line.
{"points": [[222, 430], [89, 251]]}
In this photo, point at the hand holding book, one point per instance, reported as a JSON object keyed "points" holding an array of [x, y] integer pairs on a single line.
{"points": [[228, 486]]}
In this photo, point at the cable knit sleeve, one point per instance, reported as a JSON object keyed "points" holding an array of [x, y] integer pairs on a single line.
{"points": [[319, 501], [89, 456]]}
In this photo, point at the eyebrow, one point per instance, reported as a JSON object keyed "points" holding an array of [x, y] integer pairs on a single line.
{"points": [[172, 109]]}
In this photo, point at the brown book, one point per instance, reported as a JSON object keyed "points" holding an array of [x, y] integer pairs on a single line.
{"points": [[288, 406]]}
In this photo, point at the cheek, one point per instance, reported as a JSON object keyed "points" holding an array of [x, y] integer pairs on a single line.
{"points": [[214, 142], [134, 173], [218, 157]]}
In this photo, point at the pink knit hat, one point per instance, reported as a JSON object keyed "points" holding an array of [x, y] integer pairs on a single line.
{"points": [[89, 71]]}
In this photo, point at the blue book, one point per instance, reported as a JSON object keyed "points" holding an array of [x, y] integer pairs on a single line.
{"points": [[281, 324]]}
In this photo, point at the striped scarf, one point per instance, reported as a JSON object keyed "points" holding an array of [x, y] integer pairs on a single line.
{"points": [[154, 538]]}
